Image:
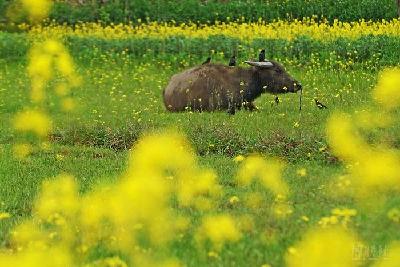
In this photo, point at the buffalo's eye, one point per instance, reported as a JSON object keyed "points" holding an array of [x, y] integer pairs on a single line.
{"points": [[278, 71]]}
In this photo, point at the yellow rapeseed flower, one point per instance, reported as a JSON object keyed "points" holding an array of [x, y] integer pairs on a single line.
{"points": [[44, 58], [110, 262], [233, 199], [59, 198], [288, 30], [218, 229], [37, 9], [332, 247], [340, 130], [305, 218], [4, 215], [33, 121], [239, 158], [68, 104], [302, 172], [394, 215], [390, 256], [386, 92], [269, 173]]}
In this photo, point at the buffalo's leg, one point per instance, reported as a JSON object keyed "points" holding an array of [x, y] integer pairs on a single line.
{"points": [[231, 110]]}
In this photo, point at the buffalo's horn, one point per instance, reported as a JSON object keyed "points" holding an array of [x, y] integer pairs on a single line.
{"points": [[265, 64]]}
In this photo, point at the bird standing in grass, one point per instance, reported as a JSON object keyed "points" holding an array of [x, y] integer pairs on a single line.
{"points": [[277, 100], [261, 56], [319, 104], [208, 60], [232, 61]]}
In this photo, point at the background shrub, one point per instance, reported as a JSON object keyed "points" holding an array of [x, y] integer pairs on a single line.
{"points": [[373, 50], [209, 11]]}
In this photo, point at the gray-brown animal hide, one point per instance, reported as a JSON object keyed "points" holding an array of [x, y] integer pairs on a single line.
{"points": [[218, 87]]}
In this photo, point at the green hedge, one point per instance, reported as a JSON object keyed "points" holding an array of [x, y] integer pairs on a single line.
{"points": [[209, 11], [376, 50]]}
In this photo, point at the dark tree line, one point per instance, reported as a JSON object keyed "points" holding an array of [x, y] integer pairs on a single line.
{"points": [[205, 11]]}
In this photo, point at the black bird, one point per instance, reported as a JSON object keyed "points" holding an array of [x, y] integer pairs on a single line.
{"points": [[261, 56], [319, 104], [232, 61], [208, 60], [277, 100]]}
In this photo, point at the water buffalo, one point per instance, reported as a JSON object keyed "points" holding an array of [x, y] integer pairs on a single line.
{"points": [[218, 87]]}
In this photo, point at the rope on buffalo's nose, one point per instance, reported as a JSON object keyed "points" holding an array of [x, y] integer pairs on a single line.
{"points": [[301, 93]]}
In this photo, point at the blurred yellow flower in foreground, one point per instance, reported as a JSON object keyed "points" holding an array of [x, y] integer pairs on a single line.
{"points": [[344, 138], [58, 199], [110, 262], [390, 257], [68, 104], [386, 92], [331, 247], [4, 215], [374, 169], [269, 173], [219, 229], [138, 211], [37, 9], [44, 59], [394, 215], [34, 121]]}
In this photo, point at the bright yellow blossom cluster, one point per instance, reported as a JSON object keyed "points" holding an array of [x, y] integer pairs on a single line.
{"points": [[44, 58], [280, 29], [135, 214], [47, 60], [37, 9], [269, 173], [392, 258], [4, 215], [373, 169], [331, 247], [219, 229], [34, 121], [386, 92], [394, 215], [338, 215]]}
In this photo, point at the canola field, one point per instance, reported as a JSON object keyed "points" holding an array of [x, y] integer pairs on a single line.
{"points": [[95, 172]]}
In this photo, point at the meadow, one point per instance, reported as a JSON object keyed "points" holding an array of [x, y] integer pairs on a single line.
{"points": [[108, 133]]}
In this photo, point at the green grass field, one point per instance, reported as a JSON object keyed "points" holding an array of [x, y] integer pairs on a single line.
{"points": [[120, 100]]}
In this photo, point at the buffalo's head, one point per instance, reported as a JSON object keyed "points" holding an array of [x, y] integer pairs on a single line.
{"points": [[273, 78]]}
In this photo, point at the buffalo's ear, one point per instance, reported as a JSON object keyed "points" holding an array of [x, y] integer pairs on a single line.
{"points": [[264, 65]]}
